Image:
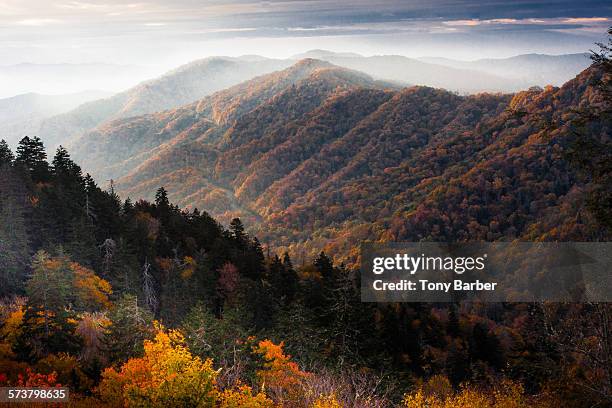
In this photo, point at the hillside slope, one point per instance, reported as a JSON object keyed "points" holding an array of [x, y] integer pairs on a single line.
{"points": [[183, 85], [21, 115], [201, 78], [224, 121], [319, 157]]}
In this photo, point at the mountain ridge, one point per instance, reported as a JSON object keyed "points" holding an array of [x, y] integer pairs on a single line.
{"points": [[289, 156], [197, 79], [21, 115], [180, 86]]}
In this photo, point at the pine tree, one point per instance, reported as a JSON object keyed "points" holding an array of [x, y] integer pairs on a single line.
{"points": [[254, 260], [31, 156], [162, 203], [6, 155], [128, 207], [65, 205], [284, 279], [325, 266], [237, 231], [66, 170]]}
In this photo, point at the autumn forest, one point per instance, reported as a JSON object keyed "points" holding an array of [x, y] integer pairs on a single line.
{"points": [[207, 255]]}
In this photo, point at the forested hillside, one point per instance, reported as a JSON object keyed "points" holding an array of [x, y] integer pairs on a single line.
{"points": [[228, 279], [200, 78], [183, 85], [317, 157], [144, 304]]}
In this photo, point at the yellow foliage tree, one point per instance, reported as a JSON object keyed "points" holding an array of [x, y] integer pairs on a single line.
{"points": [[242, 397], [10, 330], [91, 291], [168, 375]]}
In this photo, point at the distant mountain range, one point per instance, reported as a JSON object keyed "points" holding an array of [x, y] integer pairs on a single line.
{"points": [[410, 71], [178, 87], [198, 79], [531, 69], [490, 75], [318, 156], [22, 115]]}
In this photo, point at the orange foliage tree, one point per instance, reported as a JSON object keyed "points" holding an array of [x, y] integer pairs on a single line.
{"points": [[279, 375]]}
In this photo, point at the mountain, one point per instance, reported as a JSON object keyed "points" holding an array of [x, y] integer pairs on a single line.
{"points": [[204, 77], [69, 78], [531, 69], [223, 122], [482, 167], [406, 71], [183, 85], [320, 157], [21, 115], [323, 54], [485, 75]]}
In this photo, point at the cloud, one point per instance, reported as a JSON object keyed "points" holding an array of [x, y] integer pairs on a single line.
{"points": [[586, 20], [544, 22], [135, 30], [81, 5], [466, 23], [37, 22]]}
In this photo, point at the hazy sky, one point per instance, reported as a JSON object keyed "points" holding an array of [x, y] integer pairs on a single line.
{"points": [[168, 32]]}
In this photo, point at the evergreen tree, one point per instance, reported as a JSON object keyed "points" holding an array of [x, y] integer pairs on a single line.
{"points": [[64, 168], [325, 266], [6, 155], [284, 279], [103, 209], [31, 156], [253, 265], [237, 231], [162, 203], [65, 205], [128, 207], [130, 326]]}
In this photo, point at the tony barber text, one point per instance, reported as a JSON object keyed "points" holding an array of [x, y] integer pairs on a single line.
{"points": [[426, 285]]}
